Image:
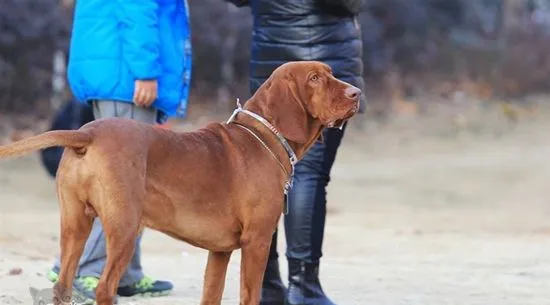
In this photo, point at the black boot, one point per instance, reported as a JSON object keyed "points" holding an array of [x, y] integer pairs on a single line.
{"points": [[273, 290], [304, 287]]}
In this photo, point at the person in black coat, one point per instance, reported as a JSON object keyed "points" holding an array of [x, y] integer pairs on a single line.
{"points": [[290, 30]]}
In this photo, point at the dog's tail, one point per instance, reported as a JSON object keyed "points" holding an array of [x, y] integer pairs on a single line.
{"points": [[75, 139]]}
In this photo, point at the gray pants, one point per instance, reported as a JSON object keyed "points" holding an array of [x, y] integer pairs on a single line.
{"points": [[93, 258]]}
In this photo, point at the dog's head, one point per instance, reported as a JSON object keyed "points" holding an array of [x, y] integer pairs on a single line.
{"points": [[300, 96]]}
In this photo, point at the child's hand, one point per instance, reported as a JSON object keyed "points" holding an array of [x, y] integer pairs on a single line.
{"points": [[145, 92]]}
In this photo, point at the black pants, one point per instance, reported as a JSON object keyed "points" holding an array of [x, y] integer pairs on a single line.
{"points": [[305, 221], [69, 117]]}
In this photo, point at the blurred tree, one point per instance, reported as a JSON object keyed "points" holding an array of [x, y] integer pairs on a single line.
{"points": [[30, 33], [411, 45], [221, 48]]}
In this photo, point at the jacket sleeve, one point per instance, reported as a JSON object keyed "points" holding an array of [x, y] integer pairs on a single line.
{"points": [[351, 6], [138, 21]]}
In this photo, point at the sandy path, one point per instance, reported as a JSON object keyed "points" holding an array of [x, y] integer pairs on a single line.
{"points": [[412, 220]]}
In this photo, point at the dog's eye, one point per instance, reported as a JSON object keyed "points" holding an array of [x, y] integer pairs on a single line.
{"points": [[314, 78]]}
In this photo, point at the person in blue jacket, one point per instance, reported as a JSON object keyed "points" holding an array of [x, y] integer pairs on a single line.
{"points": [[128, 59]]}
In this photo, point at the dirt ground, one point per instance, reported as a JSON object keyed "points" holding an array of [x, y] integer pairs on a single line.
{"points": [[419, 213]]}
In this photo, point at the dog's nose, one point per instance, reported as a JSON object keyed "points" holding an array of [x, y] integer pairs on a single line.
{"points": [[353, 93]]}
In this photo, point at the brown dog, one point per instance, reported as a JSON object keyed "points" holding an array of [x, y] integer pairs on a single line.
{"points": [[220, 188]]}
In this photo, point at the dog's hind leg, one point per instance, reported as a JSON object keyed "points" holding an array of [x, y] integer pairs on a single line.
{"points": [[121, 219], [75, 229]]}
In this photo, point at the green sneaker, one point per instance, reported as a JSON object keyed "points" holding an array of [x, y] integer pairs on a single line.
{"points": [[83, 287], [52, 276], [146, 287]]}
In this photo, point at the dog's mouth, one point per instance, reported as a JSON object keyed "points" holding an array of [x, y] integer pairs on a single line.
{"points": [[339, 123]]}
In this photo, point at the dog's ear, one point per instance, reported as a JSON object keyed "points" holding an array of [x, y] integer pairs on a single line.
{"points": [[291, 117]]}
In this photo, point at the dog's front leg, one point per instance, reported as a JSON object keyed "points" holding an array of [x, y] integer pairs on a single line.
{"points": [[214, 277], [255, 250]]}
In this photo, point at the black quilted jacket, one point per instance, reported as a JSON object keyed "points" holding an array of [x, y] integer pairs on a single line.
{"points": [[289, 30]]}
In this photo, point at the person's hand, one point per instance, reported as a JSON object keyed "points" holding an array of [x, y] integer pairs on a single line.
{"points": [[145, 92]]}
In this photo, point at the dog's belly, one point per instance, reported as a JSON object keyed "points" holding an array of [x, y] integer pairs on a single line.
{"points": [[198, 227]]}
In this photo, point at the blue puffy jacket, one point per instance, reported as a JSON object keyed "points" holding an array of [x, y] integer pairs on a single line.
{"points": [[115, 42]]}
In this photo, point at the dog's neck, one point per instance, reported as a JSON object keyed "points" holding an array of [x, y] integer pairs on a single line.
{"points": [[315, 129], [267, 136]]}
